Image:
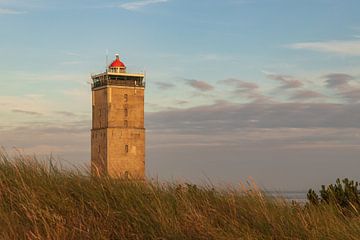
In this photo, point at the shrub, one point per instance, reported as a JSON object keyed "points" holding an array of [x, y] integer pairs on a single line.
{"points": [[344, 194]]}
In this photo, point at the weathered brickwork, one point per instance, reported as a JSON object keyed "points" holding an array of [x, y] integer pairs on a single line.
{"points": [[118, 133]]}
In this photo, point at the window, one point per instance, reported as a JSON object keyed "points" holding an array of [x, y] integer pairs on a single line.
{"points": [[126, 123], [126, 112], [100, 118], [126, 148], [125, 97]]}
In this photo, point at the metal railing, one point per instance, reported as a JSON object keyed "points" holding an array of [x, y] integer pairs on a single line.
{"points": [[112, 82]]}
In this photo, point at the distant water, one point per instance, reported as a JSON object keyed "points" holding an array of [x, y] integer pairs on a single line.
{"points": [[289, 195]]}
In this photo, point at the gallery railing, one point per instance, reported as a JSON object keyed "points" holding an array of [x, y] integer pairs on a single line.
{"points": [[135, 82]]}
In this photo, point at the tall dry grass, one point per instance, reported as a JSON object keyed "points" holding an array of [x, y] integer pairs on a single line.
{"points": [[40, 201]]}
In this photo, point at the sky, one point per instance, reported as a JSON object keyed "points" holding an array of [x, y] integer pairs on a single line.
{"points": [[266, 89]]}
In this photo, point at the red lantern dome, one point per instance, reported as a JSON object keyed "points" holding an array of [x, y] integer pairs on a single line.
{"points": [[117, 63]]}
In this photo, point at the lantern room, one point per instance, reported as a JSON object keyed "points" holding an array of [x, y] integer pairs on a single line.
{"points": [[117, 66]]}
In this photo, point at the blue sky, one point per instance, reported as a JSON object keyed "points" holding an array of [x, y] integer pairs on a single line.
{"points": [[235, 88]]}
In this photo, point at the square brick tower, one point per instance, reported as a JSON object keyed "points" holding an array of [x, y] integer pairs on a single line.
{"points": [[118, 133]]}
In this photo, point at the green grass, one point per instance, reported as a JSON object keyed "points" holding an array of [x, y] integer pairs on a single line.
{"points": [[42, 202]]}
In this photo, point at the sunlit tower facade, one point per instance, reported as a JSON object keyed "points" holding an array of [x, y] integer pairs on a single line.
{"points": [[118, 133]]}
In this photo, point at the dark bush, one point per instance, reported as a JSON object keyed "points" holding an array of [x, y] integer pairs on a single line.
{"points": [[344, 193]]}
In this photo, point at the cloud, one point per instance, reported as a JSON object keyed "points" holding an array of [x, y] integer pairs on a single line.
{"points": [[164, 85], [228, 117], [6, 11], [338, 80], [306, 95], [199, 85], [351, 48], [68, 142], [32, 113], [32, 103], [243, 138], [221, 124], [66, 113], [132, 6], [240, 85], [341, 83], [286, 81], [246, 89], [351, 96], [181, 102]]}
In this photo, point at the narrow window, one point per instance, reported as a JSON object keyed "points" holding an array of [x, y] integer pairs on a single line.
{"points": [[126, 112], [125, 97], [126, 148], [100, 118]]}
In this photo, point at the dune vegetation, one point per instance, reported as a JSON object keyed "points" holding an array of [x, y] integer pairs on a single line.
{"points": [[40, 201]]}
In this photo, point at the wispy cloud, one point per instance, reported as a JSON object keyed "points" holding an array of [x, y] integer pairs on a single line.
{"points": [[351, 96], [343, 85], [225, 117], [139, 4], [164, 85], [305, 95], [7, 11], [286, 81], [239, 84], [181, 102], [338, 80], [32, 113], [66, 113], [199, 85], [350, 47], [19, 104], [245, 89]]}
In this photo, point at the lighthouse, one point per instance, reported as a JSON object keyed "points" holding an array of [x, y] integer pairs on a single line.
{"points": [[118, 133]]}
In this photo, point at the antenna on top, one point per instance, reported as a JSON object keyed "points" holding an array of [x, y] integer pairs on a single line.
{"points": [[107, 58], [144, 77]]}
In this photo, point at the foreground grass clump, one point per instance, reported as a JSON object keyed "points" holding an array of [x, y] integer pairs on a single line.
{"points": [[42, 202]]}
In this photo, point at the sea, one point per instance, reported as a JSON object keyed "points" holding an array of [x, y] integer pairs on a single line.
{"points": [[298, 196]]}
